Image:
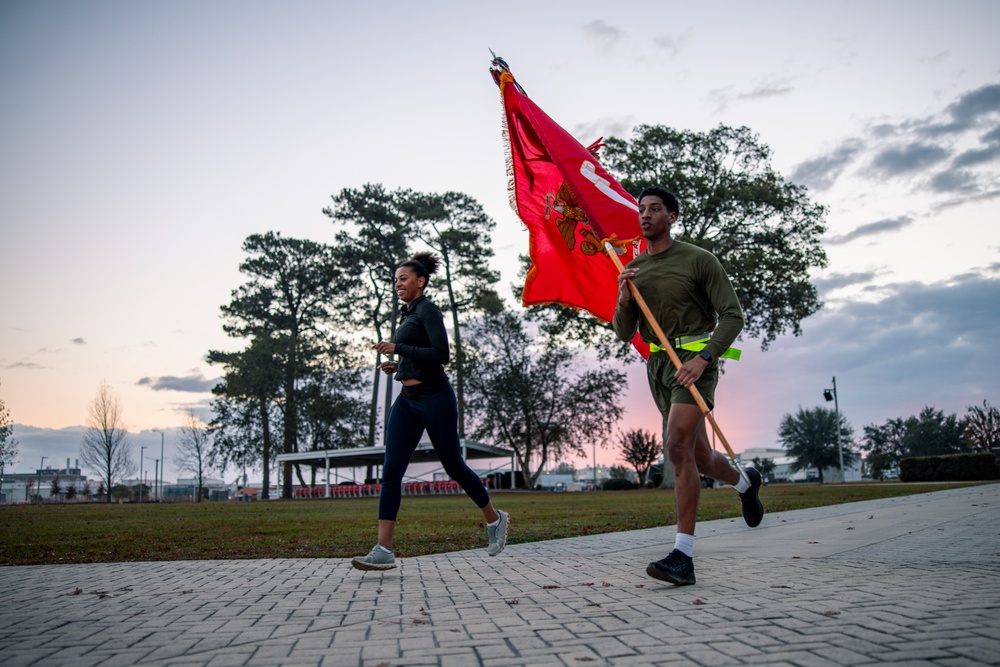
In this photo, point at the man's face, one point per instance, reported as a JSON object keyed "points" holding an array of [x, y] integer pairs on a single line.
{"points": [[654, 220]]}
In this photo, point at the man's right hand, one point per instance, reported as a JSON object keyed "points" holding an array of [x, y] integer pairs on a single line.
{"points": [[624, 294]]}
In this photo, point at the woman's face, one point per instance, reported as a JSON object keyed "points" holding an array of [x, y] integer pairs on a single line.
{"points": [[408, 286]]}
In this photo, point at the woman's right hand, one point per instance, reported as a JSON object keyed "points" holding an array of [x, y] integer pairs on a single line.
{"points": [[389, 367]]}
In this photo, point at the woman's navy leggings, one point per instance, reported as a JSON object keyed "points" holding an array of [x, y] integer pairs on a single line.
{"points": [[438, 413]]}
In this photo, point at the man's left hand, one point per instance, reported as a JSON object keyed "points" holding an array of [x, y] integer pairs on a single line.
{"points": [[690, 371]]}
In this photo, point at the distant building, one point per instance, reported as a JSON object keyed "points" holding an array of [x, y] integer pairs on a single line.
{"points": [[21, 487], [185, 490], [783, 467]]}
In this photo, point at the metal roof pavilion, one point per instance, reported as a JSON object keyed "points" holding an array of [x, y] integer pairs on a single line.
{"points": [[359, 457]]}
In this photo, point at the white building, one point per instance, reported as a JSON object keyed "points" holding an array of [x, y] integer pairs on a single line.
{"points": [[783, 467]]}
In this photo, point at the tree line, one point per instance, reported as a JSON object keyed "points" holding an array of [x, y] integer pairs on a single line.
{"points": [[811, 437], [302, 377], [309, 311]]}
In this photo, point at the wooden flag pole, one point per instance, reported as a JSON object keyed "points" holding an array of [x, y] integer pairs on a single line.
{"points": [[665, 344]]}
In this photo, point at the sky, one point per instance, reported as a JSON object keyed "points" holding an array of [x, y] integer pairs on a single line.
{"points": [[141, 143]]}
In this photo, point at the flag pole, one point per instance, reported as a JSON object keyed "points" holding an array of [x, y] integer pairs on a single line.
{"points": [[665, 344]]}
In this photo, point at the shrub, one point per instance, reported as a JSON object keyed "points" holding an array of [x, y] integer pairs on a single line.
{"points": [[618, 484], [949, 468]]}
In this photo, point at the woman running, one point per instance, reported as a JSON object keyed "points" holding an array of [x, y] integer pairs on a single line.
{"points": [[427, 402]]}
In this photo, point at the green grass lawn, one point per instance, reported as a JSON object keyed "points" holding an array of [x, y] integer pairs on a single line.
{"points": [[93, 532]]}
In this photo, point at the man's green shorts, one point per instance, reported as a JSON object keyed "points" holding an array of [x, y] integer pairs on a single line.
{"points": [[667, 390]]}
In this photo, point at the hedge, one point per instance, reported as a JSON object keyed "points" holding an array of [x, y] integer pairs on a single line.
{"points": [[949, 468]]}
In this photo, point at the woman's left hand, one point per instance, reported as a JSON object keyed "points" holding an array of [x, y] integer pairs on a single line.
{"points": [[382, 347]]}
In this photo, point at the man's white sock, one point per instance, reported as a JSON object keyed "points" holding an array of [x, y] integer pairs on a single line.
{"points": [[685, 544], [743, 484], [388, 551]]}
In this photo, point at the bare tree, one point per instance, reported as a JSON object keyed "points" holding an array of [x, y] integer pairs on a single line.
{"points": [[982, 426], [106, 449], [193, 454], [8, 445], [640, 449]]}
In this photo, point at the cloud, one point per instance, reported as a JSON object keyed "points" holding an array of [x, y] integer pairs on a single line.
{"points": [[935, 59], [971, 158], [723, 96], [962, 201], [602, 127], [766, 91], [25, 364], [952, 152], [872, 229], [991, 136], [79, 341], [840, 280], [195, 383], [917, 345], [821, 173], [607, 36], [673, 45], [906, 159], [954, 180]]}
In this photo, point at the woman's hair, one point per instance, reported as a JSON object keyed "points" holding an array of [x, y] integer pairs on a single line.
{"points": [[424, 264]]}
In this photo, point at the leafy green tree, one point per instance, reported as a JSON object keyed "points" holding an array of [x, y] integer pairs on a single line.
{"points": [[931, 433], [528, 398], [455, 226], [811, 438], [618, 472], [373, 238], [8, 445], [333, 410], [765, 230], [245, 409], [119, 492], [885, 447], [982, 426], [292, 294], [640, 449], [106, 449], [193, 450], [766, 466]]}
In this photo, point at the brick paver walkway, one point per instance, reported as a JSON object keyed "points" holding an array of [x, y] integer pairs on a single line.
{"points": [[907, 581]]}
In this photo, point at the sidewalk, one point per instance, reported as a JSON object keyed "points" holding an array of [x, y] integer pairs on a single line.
{"points": [[913, 580]]}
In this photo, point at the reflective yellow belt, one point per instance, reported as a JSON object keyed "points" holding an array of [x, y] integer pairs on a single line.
{"points": [[697, 344]]}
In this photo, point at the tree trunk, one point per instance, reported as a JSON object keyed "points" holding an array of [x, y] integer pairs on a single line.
{"points": [[388, 380], [459, 351], [265, 422], [291, 414], [373, 413]]}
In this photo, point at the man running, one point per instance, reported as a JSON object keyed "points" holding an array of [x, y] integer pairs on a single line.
{"points": [[695, 304]]}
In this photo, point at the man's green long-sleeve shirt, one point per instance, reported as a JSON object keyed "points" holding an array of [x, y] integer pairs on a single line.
{"points": [[689, 294]]}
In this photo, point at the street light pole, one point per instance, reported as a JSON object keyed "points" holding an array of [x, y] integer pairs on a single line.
{"points": [[142, 450], [159, 493], [831, 394], [39, 489]]}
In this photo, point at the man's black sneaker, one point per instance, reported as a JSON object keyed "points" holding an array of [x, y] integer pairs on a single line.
{"points": [[677, 568], [753, 509]]}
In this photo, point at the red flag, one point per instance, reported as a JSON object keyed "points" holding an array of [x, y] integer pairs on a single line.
{"points": [[570, 206]]}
